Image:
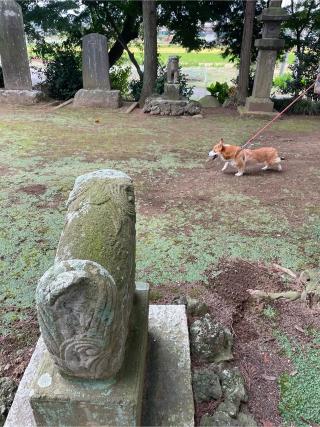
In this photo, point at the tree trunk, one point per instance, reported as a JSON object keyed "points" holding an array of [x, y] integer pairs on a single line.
{"points": [[245, 57], [149, 10]]}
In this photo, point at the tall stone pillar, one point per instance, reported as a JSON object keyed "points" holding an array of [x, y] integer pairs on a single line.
{"points": [[95, 73], [268, 45], [14, 57]]}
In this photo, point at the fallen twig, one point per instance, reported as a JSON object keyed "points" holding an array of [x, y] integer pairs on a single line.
{"points": [[285, 270]]}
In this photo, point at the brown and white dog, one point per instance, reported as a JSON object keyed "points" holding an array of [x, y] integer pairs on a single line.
{"points": [[235, 156]]}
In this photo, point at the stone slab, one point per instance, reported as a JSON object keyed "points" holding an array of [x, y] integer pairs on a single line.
{"points": [[172, 91], [64, 401], [20, 97], [169, 396], [209, 101], [95, 62], [243, 111], [97, 98]]}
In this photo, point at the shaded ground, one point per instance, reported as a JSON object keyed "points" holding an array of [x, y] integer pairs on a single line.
{"points": [[189, 216]]}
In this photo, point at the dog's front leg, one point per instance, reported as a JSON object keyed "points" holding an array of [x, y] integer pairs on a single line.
{"points": [[225, 166]]}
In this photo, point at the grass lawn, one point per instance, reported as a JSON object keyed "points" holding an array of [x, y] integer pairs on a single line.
{"points": [[188, 216]]}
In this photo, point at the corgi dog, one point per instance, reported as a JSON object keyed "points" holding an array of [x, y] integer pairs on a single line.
{"points": [[235, 156]]}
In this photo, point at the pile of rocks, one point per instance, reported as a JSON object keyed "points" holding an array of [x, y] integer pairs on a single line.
{"points": [[211, 345]]}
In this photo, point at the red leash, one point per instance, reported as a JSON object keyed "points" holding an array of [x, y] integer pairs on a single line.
{"points": [[277, 116]]}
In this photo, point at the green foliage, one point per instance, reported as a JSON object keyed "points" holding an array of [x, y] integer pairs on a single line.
{"points": [[300, 392], [63, 72], [303, 35], [270, 312], [282, 83], [119, 79], [303, 106], [219, 91]]}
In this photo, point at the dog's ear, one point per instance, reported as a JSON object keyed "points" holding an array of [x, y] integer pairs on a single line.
{"points": [[221, 141]]}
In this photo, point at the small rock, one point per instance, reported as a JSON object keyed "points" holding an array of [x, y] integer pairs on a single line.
{"points": [[182, 300], [196, 307], [7, 391], [210, 341], [197, 116], [229, 408], [219, 419], [206, 385], [233, 386], [209, 101], [246, 420]]}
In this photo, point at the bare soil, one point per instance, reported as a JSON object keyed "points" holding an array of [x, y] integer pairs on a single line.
{"points": [[255, 349]]}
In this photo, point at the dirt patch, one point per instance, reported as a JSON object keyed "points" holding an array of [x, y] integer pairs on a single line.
{"points": [[35, 189], [256, 351], [16, 349]]}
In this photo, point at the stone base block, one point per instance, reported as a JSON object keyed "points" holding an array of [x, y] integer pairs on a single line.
{"points": [[261, 114], [20, 97], [97, 98], [172, 91], [168, 107], [61, 400], [262, 105], [169, 396]]}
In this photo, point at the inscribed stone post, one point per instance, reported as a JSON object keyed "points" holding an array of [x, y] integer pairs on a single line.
{"points": [[13, 48], [95, 62]]}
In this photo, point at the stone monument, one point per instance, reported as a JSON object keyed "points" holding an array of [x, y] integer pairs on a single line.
{"points": [[269, 44], [14, 57], [171, 103], [96, 90], [93, 317]]}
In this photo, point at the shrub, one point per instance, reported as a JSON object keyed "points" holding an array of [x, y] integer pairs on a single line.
{"points": [[219, 91], [303, 106], [63, 73], [283, 83], [119, 79]]}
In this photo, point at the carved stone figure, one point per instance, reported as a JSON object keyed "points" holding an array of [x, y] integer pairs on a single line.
{"points": [[100, 227], [78, 315], [173, 70]]}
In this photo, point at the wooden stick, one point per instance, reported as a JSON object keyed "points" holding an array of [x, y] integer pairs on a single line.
{"points": [[63, 104], [132, 107]]}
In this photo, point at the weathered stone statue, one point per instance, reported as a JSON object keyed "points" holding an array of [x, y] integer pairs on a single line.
{"points": [[84, 306], [173, 69], [93, 316], [96, 90], [171, 103], [268, 46], [14, 57]]}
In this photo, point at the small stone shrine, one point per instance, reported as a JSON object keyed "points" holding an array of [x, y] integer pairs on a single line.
{"points": [[96, 90], [268, 45], [14, 57], [171, 103]]}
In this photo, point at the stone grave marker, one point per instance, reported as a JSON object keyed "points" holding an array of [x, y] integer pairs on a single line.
{"points": [[96, 90], [14, 57]]}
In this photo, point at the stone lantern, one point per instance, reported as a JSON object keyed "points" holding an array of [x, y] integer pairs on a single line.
{"points": [[268, 45]]}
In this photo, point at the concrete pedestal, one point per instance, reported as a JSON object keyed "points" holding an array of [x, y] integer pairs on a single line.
{"points": [[20, 97], [98, 98], [171, 91], [68, 401], [168, 398]]}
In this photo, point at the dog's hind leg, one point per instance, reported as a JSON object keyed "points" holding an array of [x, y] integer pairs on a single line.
{"points": [[265, 167], [225, 166]]}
